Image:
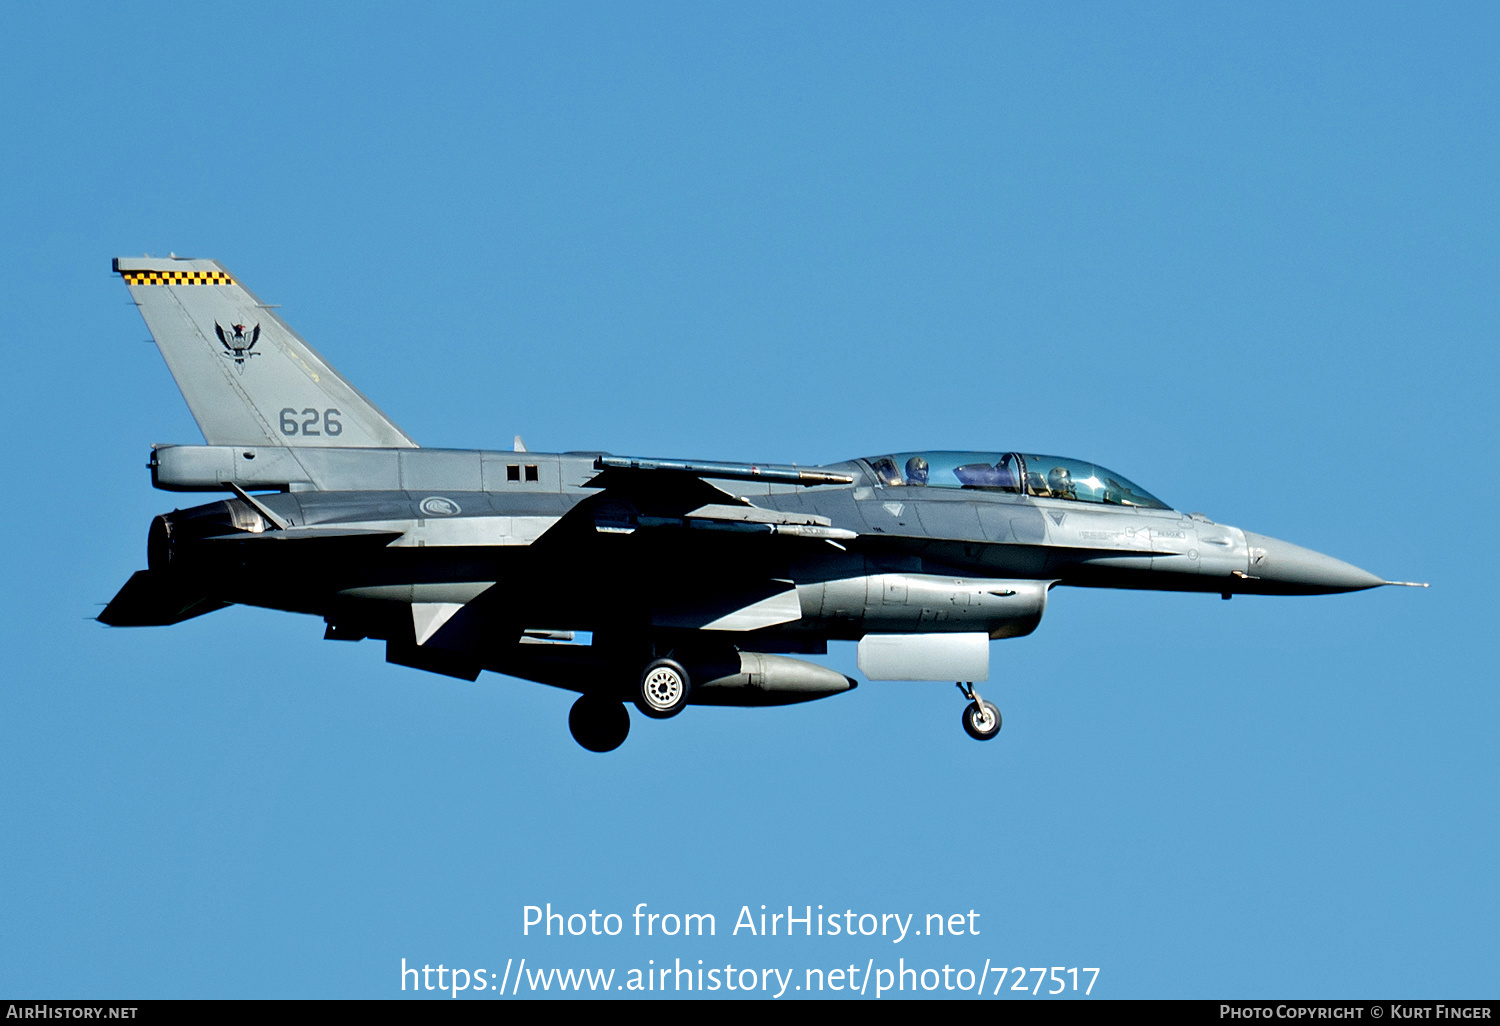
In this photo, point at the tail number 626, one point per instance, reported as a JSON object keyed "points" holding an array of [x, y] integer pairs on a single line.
{"points": [[311, 422]]}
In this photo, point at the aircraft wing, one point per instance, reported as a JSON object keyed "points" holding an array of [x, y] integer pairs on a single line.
{"points": [[655, 495], [775, 472]]}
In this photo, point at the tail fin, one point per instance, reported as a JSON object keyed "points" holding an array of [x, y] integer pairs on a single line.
{"points": [[248, 378]]}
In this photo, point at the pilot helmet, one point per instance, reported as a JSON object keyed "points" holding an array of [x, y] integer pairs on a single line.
{"points": [[916, 471], [1059, 480]]}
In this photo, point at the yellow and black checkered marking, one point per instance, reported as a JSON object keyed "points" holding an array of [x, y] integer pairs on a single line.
{"points": [[177, 278]]}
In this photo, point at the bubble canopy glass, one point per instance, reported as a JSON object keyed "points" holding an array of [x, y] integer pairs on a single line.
{"points": [[1044, 477]]}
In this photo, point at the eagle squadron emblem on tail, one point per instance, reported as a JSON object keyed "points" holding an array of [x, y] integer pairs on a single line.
{"points": [[238, 346]]}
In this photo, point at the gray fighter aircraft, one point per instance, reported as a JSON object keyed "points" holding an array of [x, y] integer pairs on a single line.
{"points": [[696, 580]]}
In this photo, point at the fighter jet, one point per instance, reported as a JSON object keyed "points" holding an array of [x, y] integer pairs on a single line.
{"points": [[696, 581]]}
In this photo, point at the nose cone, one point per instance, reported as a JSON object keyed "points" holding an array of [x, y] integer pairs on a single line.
{"points": [[1287, 569]]}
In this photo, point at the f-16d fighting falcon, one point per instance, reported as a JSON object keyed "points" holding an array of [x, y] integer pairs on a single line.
{"points": [[696, 581]]}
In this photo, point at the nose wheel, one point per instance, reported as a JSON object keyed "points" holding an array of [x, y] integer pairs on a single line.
{"points": [[981, 718]]}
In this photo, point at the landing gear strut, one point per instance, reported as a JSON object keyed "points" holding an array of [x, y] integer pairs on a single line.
{"points": [[981, 718], [599, 724]]}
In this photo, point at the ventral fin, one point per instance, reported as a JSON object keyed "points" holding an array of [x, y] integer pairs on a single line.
{"points": [[427, 618]]}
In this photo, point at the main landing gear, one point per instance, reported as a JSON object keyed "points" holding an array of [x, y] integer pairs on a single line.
{"points": [[981, 718], [598, 723], [601, 723], [663, 689]]}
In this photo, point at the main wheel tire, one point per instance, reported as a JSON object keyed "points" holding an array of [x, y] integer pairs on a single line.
{"points": [[599, 724], [663, 689], [981, 722]]}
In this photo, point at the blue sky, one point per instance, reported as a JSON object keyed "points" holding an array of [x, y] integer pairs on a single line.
{"points": [[1246, 257]]}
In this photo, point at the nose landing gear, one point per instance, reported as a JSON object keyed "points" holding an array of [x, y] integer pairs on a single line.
{"points": [[981, 718]]}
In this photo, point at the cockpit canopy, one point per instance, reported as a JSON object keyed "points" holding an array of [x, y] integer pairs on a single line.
{"points": [[1045, 477]]}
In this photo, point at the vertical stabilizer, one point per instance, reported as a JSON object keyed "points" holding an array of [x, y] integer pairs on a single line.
{"points": [[247, 377]]}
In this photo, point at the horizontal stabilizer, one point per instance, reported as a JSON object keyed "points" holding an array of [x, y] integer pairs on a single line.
{"points": [[151, 599], [310, 535]]}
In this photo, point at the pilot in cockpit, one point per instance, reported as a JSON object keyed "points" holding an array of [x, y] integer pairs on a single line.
{"points": [[1060, 483], [916, 471]]}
